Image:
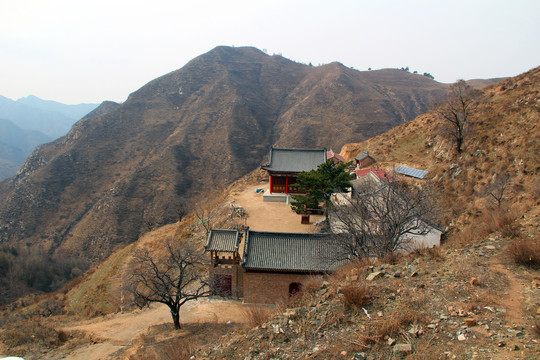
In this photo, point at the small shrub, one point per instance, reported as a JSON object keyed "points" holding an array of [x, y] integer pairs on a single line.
{"points": [[391, 258], [395, 322], [499, 219], [525, 252], [256, 315], [356, 296], [433, 253]]}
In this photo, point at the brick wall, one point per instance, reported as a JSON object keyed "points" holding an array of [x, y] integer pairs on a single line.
{"points": [[236, 273], [365, 162], [270, 288]]}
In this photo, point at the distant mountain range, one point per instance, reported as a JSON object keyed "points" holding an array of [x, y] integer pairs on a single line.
{"points": [[31, 121], [188, 133]]}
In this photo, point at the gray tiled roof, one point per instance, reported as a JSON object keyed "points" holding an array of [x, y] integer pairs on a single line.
{"points": [[363, 156], [295, 160], [223, 240], [293, 252]]}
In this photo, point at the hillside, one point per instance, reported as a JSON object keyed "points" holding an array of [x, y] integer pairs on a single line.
{"points": [[503, 139], [467, 299], [199, 128]]}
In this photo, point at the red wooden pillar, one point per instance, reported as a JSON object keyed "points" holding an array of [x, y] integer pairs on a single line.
{"points": [[271, 184], [286, 185]]}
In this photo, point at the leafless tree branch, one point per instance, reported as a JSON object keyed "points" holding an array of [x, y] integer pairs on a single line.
{"points": [[174, 279], [379, 218]]}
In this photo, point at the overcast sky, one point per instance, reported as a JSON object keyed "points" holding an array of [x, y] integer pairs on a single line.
{"points": [[73, 51]]}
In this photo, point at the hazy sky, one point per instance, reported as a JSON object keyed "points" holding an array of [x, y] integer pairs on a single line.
{"points": [[73, 51]]}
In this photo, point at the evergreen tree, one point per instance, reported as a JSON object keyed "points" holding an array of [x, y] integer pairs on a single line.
{"points": [[319, 184]]}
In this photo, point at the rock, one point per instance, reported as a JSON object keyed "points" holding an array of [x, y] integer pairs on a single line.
{"points": [[359, 356], [517, 333], [461, 337], [470, 322], [415, 330], [402, 349], [474, 282], [343, 353], [391, 341], [322, 291], [374, 275]]}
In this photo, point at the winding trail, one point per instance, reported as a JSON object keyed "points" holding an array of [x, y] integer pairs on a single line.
{"points": [[117, 332]]}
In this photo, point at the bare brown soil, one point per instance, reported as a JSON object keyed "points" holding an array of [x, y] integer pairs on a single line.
{"points": [[117, 333], [270, 216]]}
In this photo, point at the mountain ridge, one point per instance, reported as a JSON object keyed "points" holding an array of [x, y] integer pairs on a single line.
{"points": [[185, 133]]}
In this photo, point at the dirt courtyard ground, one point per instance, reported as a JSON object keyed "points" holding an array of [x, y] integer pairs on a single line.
{"points": [[270, 216], [116, 332]]}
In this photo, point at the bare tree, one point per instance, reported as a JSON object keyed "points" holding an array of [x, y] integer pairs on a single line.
{"points": [[206, 215], [499, 188], [461, 102], [380, 218], [180, 211], [174, 279]]}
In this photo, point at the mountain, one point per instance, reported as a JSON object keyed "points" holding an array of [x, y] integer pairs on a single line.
{"points": [[186, 133], [471, 290], [75, 112], [15, 146], [49, 117]]}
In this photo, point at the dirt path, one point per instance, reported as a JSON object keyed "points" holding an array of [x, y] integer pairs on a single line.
{"points": [[116, 332], [513, 301], [270, 216]]}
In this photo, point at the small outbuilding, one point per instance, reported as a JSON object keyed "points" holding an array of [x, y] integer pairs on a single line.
{"points": [[364, 160]]}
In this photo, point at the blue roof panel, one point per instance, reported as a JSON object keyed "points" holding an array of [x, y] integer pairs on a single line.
{"points": [[404, 170]]}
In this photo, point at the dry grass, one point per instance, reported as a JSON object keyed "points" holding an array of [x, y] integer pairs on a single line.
{"points": [[356, 295], [433, 253], [257, 315], [163, 342], [391, 258], [358, 267], [26, 334], [395, 322], [525, 252], [500, 219], [491, 220]]}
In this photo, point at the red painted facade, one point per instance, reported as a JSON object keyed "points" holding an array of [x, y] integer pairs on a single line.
{"points": [[283, 183]]}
